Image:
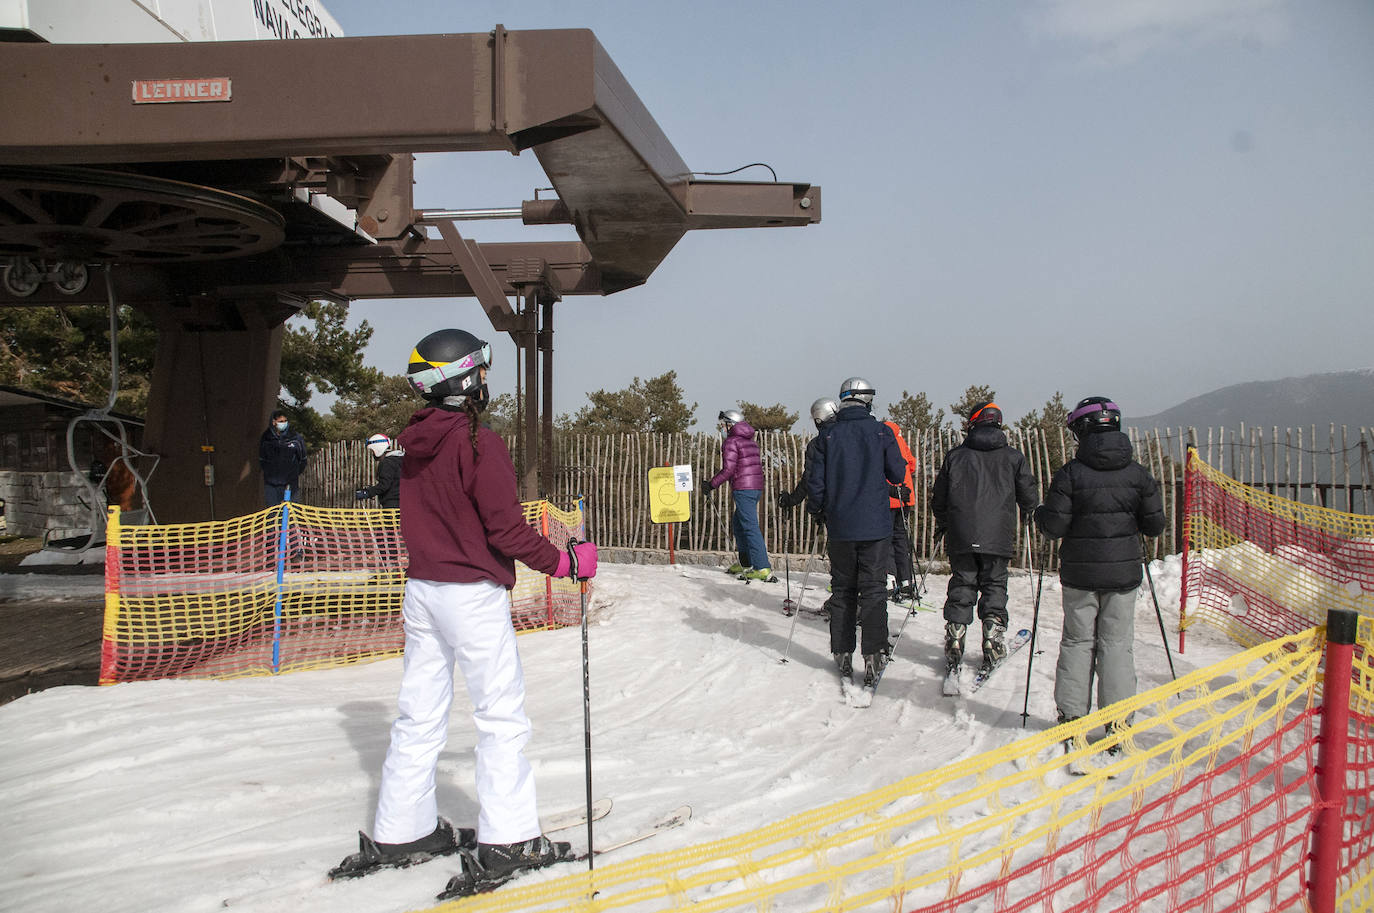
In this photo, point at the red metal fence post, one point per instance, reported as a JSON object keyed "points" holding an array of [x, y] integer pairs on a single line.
{"points": [[1332, 755]]}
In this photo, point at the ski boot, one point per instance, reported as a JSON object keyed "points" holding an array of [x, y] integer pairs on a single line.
{"points": [[494, 864], [994, 643], [1116, 729], [736, 569], [904, 592], [845, 663], [764, 574], [873, 667], [954, 657], [372, 856], [954, 646]]}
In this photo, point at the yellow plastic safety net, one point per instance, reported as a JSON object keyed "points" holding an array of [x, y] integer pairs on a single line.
{"points": [[1208, 805], [1259, 566], [289, 588]]}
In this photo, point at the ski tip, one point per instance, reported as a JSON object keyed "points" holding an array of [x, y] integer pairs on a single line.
{"points": [[1024, 632]]}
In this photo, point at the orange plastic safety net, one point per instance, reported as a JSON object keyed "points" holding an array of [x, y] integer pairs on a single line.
{"points": [[1260, 566], [288, 588]]}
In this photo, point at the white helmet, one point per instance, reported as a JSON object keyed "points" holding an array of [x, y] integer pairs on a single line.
{"points": [[823, 411], [856, 388], [378, 444]]}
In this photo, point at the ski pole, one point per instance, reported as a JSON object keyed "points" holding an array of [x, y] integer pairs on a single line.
{"points": [[1145, 561], [586, 691], [1035, 625], [787, 604], [797, 610]]}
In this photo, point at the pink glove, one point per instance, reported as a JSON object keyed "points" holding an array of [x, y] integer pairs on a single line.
{"points": [[586, 562]]}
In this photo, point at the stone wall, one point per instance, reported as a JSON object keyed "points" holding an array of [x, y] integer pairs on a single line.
{"points": [[39, 501]]}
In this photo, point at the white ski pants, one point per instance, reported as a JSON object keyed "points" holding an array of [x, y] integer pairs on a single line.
{"points": [[469, 623], [1099, 638]]}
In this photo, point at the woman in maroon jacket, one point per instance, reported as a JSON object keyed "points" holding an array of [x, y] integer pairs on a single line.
{"points": [[743, 469], [463, 528]]}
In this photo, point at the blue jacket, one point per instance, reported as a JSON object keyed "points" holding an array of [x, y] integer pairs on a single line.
{"points": [[856, 459]]}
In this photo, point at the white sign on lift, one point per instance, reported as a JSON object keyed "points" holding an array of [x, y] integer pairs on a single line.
{"points": [[132, 21]]}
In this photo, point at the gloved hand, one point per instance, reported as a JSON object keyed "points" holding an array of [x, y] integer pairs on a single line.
{"points": [[361, 495], [705, 486], [900, 492], [939, 533], [785, 500], [585, 555]]}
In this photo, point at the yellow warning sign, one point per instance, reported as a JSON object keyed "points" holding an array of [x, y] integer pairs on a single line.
{"points": [[669, 487]]}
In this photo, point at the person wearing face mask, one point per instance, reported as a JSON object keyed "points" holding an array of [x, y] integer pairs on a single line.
{"points": [[281, 453], [388, 487]]}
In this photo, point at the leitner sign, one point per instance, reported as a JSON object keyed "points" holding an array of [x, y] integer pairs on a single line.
{"points": [[201, 88]]}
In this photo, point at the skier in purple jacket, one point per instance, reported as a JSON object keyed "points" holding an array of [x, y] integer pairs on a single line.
{"points": [[463, 528], [743, 469]]}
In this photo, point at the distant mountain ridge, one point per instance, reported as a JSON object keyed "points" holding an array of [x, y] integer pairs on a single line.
{"points": [[1342, 397]]}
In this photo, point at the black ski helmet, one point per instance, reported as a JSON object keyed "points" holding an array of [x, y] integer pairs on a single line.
{"points": [[988, 413], [1093, 414], [449, 363]]}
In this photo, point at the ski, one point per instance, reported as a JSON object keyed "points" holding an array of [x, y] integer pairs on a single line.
{"points": [[952, 687], [474, 880], [368, 859], [1021, 638], [575, 816], [675, 818]]}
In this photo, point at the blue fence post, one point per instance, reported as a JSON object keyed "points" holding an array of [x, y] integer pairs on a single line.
{"points": [[281, 579]]}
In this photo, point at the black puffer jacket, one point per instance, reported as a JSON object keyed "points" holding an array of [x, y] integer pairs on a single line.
{"points": [[388, 487], [1099, 503], [977, 490]]}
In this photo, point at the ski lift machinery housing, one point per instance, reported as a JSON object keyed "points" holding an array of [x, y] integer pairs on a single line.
{"points": [[227, 183]]}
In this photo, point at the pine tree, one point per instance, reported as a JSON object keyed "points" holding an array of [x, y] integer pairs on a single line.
{"points": [[768, 418], [653, 405], [914, 413], [319, 354], [975, 395], [65, 352]]}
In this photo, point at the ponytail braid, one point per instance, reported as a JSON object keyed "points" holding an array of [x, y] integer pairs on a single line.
{"points": [[470, 408]]}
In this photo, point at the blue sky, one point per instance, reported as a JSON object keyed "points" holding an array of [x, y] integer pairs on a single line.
{"points": [[1143, 199]]}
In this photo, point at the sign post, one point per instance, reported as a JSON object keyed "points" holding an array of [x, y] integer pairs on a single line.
{"points": [[668, 500]]}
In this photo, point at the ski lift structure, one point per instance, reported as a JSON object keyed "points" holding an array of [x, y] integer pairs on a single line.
{"points": [[137, 463], [220, 208]]}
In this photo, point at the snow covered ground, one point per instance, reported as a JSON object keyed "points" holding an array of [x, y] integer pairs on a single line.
{"points": [[186, 796]]}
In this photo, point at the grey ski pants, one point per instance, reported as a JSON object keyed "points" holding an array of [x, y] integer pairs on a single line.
{"points": [[1098, 639]]}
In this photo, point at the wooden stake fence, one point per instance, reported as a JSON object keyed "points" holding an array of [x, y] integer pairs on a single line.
{"points": [[611, 472]]}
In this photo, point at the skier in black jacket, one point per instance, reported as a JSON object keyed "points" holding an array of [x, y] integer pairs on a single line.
{"points": [[281, 454], [855, 461], [823, 412], [977, 490], [1099, 503], [388, 487]]}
